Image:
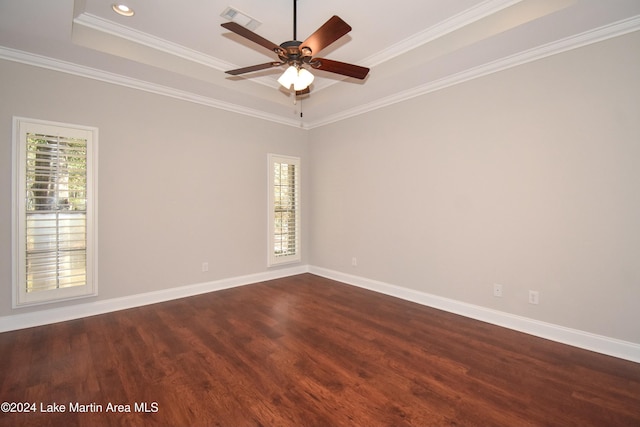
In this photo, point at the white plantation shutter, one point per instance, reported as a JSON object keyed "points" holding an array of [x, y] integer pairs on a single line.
{"points": [[54, 211], [284, 209]]}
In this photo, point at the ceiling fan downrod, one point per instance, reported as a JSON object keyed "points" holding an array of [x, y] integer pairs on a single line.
{"points": [[295, 20]]}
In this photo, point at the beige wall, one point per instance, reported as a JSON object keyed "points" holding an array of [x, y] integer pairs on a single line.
{"points": [[179, 183], [529, 178]]}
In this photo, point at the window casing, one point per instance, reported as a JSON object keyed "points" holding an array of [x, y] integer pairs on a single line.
{"points": [[54, 211], [284, 210]]}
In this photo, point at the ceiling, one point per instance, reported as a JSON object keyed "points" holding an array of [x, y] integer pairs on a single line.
{"points": [[178, 48]]}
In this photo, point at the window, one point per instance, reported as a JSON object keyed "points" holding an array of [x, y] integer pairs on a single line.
{"points": [[284, 209], [54, 211]]}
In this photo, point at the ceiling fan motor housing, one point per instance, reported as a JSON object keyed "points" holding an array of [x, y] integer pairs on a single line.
{"points": [[291, 53]]}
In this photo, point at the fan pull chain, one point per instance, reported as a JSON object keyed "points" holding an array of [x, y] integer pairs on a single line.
{"points": [[301, 115]]}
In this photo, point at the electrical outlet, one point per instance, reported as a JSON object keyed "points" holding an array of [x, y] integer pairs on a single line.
{"points": [[354, 262], [534, 297], [497, 290], [205, 266]]}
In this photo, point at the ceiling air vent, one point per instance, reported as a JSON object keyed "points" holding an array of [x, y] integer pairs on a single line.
{"points": [[241, 18]]}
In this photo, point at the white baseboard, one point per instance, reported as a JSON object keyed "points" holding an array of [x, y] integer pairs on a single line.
{"points": [[598, 343], [585, 340], [61, 314]]}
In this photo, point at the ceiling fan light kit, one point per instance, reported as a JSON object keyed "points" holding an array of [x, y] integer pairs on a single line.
{"points": [[298, 77], [295, 54]]}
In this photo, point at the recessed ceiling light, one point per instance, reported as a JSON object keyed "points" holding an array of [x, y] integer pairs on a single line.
{"points": [[122, 9]]}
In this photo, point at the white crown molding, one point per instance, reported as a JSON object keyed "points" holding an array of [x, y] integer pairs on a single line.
{"points": [[103, 25], [589, 37], [460, 20], [443, 28], [109, 27], [104, 76], [573, 337], [600, 34], [61, 314]]}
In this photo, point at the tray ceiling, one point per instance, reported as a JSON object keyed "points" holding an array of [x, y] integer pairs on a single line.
{"points": [[178, 48]]}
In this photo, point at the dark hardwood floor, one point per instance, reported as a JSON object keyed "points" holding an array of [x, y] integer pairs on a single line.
{"points": [[305, 351]]}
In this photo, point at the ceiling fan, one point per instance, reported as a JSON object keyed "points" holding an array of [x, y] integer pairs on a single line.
{"points": [[295, 54]]}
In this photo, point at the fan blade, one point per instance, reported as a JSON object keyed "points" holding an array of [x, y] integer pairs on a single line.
{"points": [[250, 35], [330, 31], [254, 68], [340, 68]]}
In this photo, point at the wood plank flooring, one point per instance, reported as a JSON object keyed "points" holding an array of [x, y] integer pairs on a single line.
{"points": [[306, 351]]}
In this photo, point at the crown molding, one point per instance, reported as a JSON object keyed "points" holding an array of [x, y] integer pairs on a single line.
{"points": [[460, 20], [102, 25], [107, 77], [443, 28], [599, 34], [589, 37], [96, 23]]}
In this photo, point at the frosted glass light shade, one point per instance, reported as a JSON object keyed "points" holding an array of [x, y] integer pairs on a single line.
{"points": [[305, 78], [288, 77], [299, 78]]}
